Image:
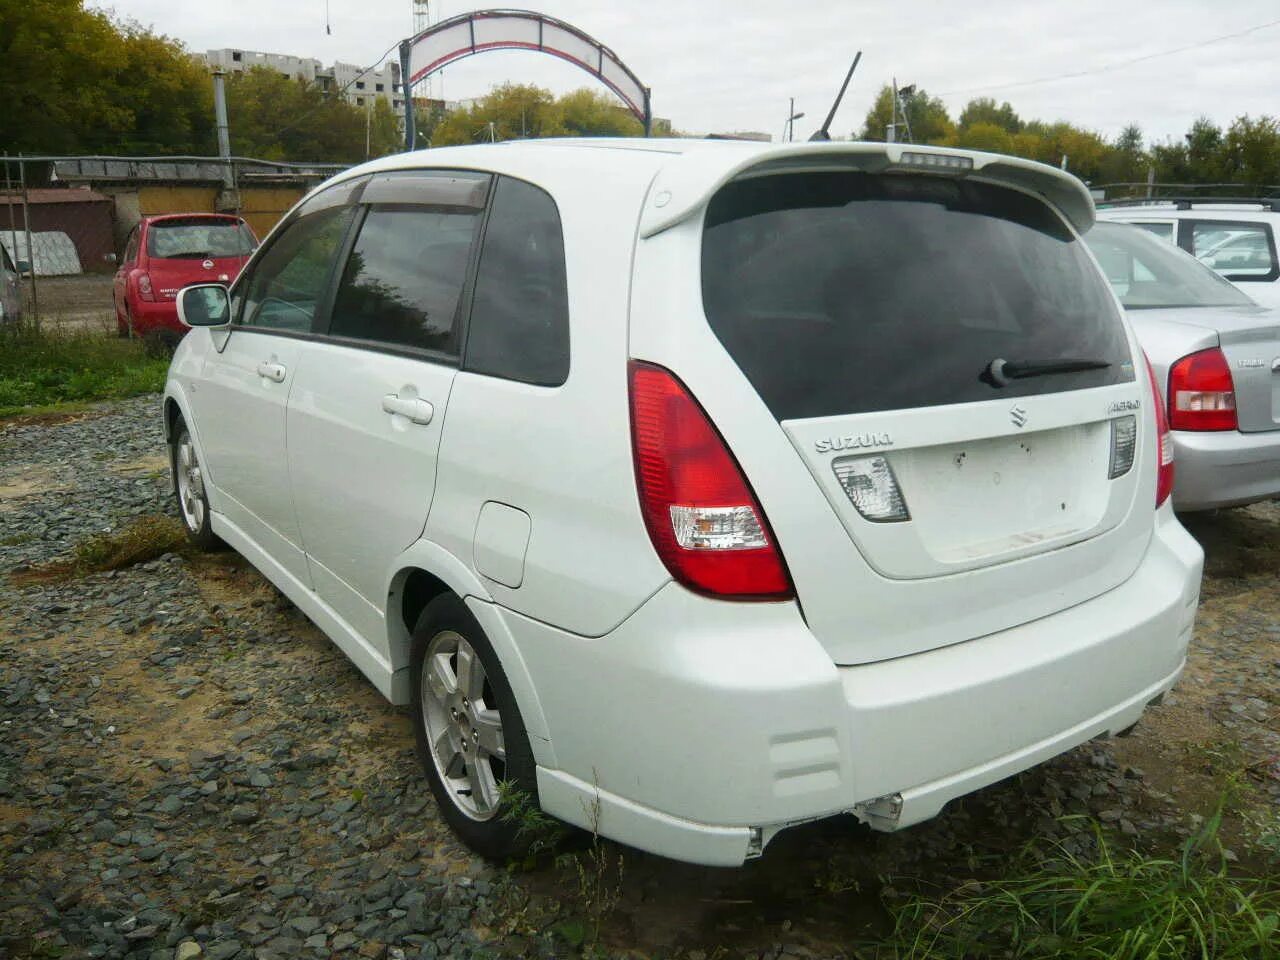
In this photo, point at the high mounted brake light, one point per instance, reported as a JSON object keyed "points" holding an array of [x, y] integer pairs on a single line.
{"points": [[702, 517], [936, 162]]}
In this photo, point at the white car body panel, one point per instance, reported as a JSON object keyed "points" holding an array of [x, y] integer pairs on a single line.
{"points": [[362, 477], [689, 726], [241, 416]]}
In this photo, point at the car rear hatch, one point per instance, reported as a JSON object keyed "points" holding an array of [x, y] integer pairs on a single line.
{"points": [[197, 249], [952, 372], [1250, 339]]}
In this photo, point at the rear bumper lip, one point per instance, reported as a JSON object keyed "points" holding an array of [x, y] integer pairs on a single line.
{"points": [[927, 800], [1224, 469]]}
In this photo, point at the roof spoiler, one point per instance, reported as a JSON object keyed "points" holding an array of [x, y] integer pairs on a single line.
{"points": [[683, 186]]}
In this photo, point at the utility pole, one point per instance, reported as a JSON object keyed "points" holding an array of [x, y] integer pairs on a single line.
{"points": [[31, 250], [229, 198], [368, 122], [891, 134]]}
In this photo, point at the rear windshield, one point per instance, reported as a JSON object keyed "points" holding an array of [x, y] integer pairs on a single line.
{"points": [[1146, 272], [841, 293], [199, 239]]}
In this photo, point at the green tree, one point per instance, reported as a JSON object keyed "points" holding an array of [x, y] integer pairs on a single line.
{"points": [[76, 81], [1251, 151], [275, 117], [1126, 160], [515, 111], [592, 113], [927, 116], [984, 110], [985, 136]]}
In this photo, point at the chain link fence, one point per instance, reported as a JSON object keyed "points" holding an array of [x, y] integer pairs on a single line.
{"points": [[66, 222]]}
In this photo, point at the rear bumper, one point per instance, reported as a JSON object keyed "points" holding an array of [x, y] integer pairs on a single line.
{"points": [[1225, 469], [153, 316], [698, 729]]}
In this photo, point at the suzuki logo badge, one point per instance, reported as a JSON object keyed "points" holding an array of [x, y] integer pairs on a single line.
{"points": [[1019, 417]]}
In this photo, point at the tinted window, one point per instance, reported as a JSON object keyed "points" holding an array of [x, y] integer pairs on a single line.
{"points": [[405, 276], [292, 275], [843, 293], [1242, 251], [520, 315], [1146, 272], [198, 239]]}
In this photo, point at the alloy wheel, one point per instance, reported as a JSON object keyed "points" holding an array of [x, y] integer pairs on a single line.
{"points": [[463, 725]]}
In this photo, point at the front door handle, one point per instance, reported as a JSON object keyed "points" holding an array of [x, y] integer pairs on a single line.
{"points": [[416, 409], [271, 370]]}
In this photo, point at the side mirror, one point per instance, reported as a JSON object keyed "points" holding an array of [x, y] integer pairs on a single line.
{"points": [[24, 268], [204, 305]]}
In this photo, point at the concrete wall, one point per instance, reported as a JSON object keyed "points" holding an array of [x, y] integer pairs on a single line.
{"points": [[261, 205]]}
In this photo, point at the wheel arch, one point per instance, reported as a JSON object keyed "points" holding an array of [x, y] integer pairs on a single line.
{"points": [[426, 570]]}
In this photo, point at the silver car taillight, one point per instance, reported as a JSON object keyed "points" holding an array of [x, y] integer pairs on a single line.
{"points": [[1124, 441], [872, 488]]}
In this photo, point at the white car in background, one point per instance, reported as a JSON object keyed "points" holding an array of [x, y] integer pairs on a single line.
{"points": [[697, 489], [1235, 238]]}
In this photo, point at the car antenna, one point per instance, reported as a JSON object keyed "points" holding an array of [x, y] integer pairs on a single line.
{"points": [[821, 133]]}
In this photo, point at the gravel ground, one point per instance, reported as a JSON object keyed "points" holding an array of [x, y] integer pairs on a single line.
{"points": [[188, 768]]}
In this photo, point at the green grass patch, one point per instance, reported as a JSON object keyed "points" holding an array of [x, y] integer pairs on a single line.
{"points": [[1053, 904], [42, 370]]}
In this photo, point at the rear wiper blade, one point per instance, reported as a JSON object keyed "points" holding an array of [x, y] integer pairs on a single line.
{"points": [[1002, 372]]}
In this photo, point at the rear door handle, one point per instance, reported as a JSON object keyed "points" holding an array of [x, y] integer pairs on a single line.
{"points": [[416, 409], [271, 370]]}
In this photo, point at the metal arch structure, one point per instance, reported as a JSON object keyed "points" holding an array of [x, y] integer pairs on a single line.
{"points": [[483, 30]]}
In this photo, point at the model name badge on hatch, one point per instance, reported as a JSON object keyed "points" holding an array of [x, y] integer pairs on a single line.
{"points": [[856, 442], [1119, 406]]}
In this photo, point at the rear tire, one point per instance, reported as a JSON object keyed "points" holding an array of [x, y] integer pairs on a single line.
{"points": [[469, 734], [188, 485]]}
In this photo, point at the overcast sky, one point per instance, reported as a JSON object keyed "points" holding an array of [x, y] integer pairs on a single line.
{"points": [[716, 65]]}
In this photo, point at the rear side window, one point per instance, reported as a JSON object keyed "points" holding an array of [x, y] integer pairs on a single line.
{"points": [[1239, 251], [519, 326], [1146, 272], [199, 238], [840, 293], [404, 279]]}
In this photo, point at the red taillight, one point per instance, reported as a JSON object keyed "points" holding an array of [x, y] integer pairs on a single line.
{"points": [[702, 517], [144, 287], [1164, 442], [1202, 395]]}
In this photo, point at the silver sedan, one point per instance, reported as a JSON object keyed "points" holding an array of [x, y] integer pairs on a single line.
{"points": [[1216, 353]]}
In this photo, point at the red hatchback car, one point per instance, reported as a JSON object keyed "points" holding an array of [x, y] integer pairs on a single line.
{"points": [[165, 254]]}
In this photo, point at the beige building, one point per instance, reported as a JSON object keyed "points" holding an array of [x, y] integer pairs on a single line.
{"points": [[381, 83]]}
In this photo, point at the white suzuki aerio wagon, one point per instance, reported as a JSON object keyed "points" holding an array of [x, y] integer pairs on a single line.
{"points": [[698, 489]]}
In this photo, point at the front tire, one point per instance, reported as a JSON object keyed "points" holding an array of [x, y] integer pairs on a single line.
{"points": [[188, 484], [469, 734]]}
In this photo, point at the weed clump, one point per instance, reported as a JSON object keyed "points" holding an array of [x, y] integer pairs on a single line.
{"points": [[141, 539], [1118, 905]]}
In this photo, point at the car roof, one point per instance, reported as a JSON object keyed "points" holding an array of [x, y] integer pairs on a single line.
{"points": [[681, 174]]}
